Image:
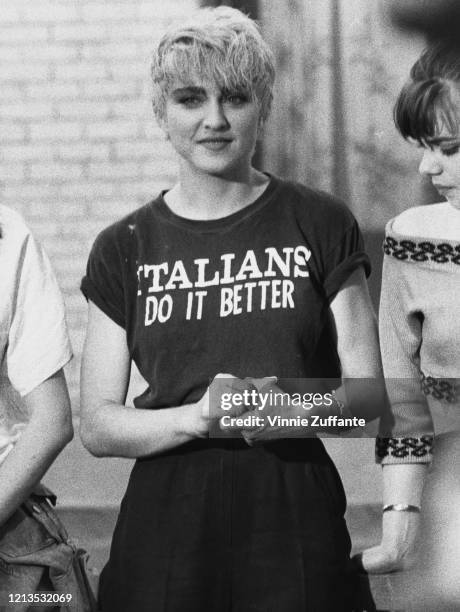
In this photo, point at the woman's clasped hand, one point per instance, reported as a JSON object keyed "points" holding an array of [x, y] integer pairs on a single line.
{"points": [[258, 410], [217, 400]]}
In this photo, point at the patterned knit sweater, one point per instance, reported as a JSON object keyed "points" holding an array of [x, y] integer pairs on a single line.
{"points": [[419, 324]]}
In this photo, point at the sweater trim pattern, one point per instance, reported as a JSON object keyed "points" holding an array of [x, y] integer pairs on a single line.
{"points": [[440, 388], [406, 249], [407, 448]]}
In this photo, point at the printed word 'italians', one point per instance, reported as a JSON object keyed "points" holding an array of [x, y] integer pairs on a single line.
{"points": [[291, 262]]}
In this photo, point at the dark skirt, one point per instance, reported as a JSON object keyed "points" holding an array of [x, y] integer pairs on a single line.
{"points": [[217, 526]]}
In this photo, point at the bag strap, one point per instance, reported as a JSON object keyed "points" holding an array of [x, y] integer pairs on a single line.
{"points": [[40, 509], [43, 491]]}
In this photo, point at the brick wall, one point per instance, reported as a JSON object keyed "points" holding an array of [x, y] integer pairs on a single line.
{"points": [[79, 145]]}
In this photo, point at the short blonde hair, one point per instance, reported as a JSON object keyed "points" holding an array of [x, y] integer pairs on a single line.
{"points": [[220, 45]]}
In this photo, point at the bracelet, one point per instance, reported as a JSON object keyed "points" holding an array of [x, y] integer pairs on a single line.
{"points": [[401, 508]]}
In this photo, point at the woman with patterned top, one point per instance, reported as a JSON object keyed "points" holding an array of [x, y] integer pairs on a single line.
{"points": [[419, 316]]}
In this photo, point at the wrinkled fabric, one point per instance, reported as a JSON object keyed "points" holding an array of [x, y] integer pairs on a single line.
{"points": [[36, 555], [216, 526], [34, 342]]}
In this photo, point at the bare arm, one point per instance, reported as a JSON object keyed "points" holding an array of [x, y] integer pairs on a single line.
{"points": [[108, 427], [356, 326], [49, 429], [358, 349], [402, 484]]}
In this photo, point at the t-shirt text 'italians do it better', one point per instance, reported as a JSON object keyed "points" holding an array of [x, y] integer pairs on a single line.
{"points": [[256, 282]]}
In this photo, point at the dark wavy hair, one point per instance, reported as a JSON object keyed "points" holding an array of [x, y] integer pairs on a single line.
{"points": [[427, 102]]}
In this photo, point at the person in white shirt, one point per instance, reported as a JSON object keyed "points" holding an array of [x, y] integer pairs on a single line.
{"points": [[35, 416]]}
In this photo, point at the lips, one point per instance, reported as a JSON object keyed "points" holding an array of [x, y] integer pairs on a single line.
{"points": [[215, 144], [214, 140]]}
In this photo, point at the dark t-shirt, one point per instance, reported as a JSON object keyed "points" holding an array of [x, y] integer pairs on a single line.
{"points": [[247, 294]]}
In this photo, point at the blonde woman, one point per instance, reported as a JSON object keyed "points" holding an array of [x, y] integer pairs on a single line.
{"points": [[231, 271]]}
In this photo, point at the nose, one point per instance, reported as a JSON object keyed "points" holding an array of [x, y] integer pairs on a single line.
{"points": [[215, 118], [430, 164]]}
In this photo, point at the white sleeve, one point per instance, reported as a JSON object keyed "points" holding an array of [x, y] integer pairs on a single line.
{"points": [[38, 343], [406, 431]]}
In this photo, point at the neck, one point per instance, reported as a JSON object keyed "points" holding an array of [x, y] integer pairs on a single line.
{"points": [[203, 196]]}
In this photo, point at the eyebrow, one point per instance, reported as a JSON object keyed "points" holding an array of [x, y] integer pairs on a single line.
{"points": [[437, 140], [188, 89]]}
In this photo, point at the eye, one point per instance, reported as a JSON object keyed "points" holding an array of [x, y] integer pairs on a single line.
{"points": [[236, 98], [190, 101], [450, 150]]}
